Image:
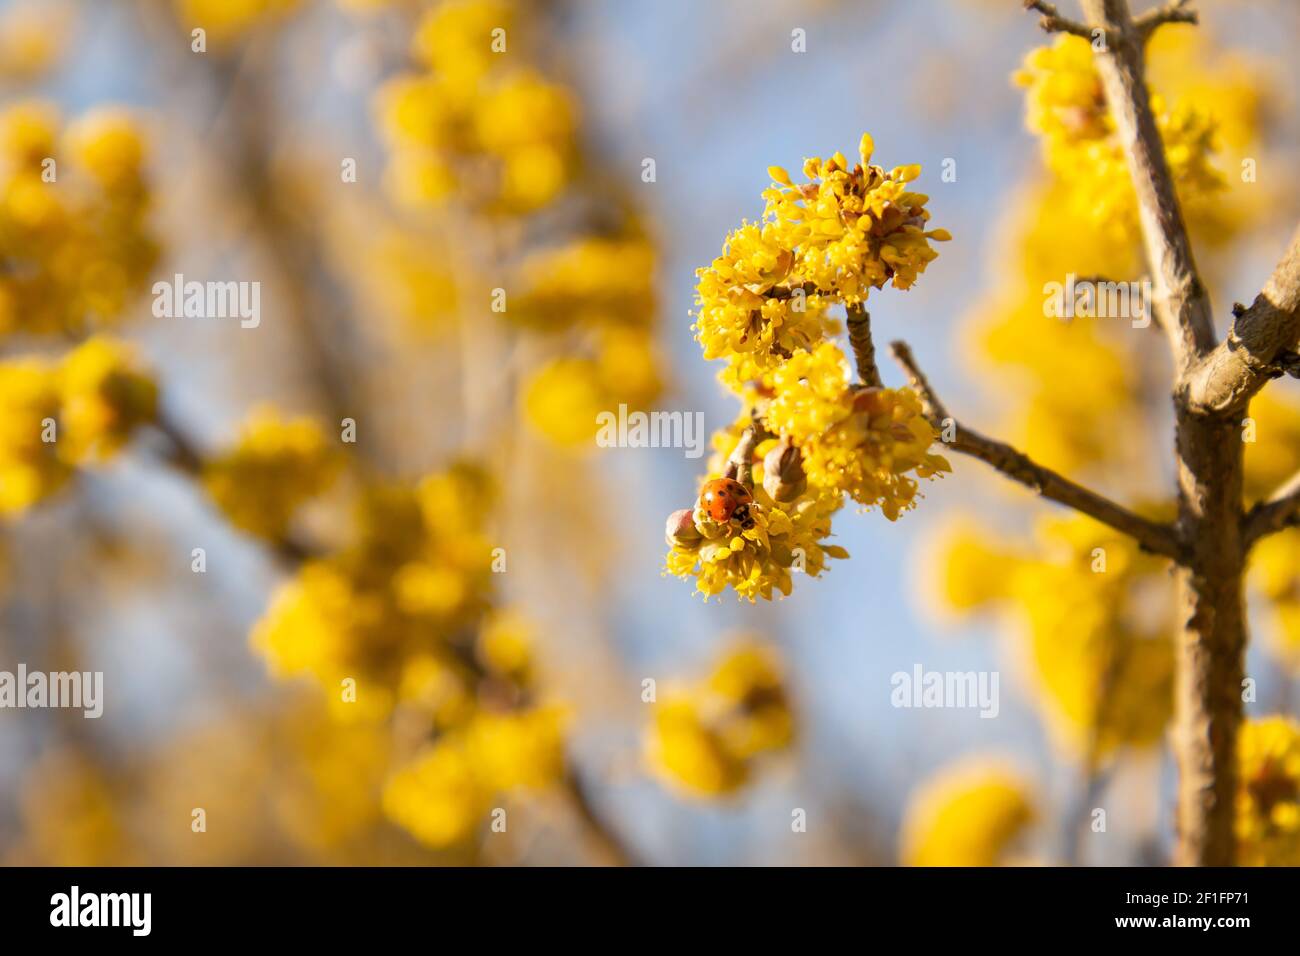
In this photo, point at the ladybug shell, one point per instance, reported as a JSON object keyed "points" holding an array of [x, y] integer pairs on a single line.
{"points": [[721, 497]]}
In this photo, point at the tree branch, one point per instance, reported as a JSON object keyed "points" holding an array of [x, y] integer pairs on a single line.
{"points": [[1053, 22], [1257, 349], [1176, 11], [605, 836], [184, 455], [864, 350], [1279, 511], [1181, 302], [741, 463], [1150, 535]]}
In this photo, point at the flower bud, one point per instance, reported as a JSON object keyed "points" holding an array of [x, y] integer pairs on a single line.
{"points": [[783, 475], [681, 531]]}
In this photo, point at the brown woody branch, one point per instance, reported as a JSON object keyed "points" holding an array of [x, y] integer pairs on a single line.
{"points": [[1176, 11], [741, 463], [1279, 511], [1258, 348], [1150, 535], [1181, 302], [184, 455], [1053, 22], [1210, 646], [864, 350]]}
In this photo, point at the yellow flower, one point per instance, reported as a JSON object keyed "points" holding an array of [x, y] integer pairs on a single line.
{"points": [[505, 642], [414, 584], [690, 755], [1268, 793], [1067, 108], [1275, 568], [107, 145], [870, 443], [706, 739], [104, 398], [518, 749], [437, 797], [444, 794], [78, 248], [562, 400], [827, 241], [1100, 621], [971, 814], [785, 537], [30, 464], [476, 118], [276, 465]]}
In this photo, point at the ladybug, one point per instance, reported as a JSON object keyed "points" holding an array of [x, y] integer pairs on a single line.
{"points": [[726, 498]]}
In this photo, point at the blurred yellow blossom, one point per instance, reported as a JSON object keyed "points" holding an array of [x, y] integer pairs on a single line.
{"points": [[1100, 620], [274, 467], [477, 123], [1268, 793], [30, 465], [57, 416], [971, 814], [104, 397], [706, 738], [74, 236]]}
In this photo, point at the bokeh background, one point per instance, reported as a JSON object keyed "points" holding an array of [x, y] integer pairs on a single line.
{"points": [[376, 306]]}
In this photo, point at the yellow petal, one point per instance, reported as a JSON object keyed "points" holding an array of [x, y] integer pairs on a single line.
{"points": [[779, 175]]}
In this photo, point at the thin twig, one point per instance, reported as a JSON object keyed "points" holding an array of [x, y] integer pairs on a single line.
{"points": [[604, 835], [183, 454], [1053, 22], [864, 350], [1176, 11], [1181, 300], [741, 463], [1150, 535], [1279, 511]]}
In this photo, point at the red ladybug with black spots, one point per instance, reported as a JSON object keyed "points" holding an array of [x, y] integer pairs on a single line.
{"points": [[725, 499]]}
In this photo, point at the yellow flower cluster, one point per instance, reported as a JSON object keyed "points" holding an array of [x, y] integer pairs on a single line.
{"points": [[864, 442], [600, 292], [1079, 221], [1067, 108], [444, 794], [400, 626], [1268, 793], [274, 467], [707, 739], [1100, 621], [763, 306], [1080, 371], [971, 814], [785, 538], [832, 239], [74, 243], [417, 574], [476, 122], [1272, 457], [55, 417]]}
